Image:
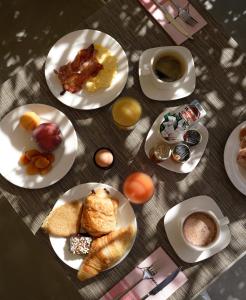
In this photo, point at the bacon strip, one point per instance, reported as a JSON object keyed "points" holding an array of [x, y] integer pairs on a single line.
{"points": [[74, 74]]}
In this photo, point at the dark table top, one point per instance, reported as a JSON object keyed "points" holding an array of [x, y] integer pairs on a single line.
{"points": [[220, 87]]}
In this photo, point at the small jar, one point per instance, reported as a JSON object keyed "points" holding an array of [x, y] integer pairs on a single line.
{"points": [[160, 152], [181, 153], [192, 137]]}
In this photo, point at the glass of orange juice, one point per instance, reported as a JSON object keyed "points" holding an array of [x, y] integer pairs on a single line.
{"points": [[138, 187], [126, 112]]}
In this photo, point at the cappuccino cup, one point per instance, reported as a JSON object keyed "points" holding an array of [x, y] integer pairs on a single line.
{"points": [[201, 229], [167, 68]]}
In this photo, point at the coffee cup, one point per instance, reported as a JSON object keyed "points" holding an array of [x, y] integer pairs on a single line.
{"points": [[201, 229], [167, 68]]}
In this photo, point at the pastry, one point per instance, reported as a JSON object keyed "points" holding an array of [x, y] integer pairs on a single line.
{"points": [[106, 251], [241, 158], [242, 133], [243, 143], [99, 213], [80, 244], [64, 220]]}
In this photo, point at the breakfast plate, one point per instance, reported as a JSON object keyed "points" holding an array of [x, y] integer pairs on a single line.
{"points": [[16, 140], [154, 137], [177, 92], [172, 228], [65, 49], [126, 216], [235, 172]]}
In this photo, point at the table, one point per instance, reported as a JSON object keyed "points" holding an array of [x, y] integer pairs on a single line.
{"points": [[220, 69]]}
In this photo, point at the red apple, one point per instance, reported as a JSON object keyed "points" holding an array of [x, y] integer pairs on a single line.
{"points": [[48, 136]]}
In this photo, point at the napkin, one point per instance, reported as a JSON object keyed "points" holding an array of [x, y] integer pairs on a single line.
{"points": [[158, 15], [165, 266]]}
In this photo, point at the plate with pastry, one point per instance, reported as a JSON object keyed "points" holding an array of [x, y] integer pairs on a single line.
{"points": [[92, 228], [86, 69], [40, 146], [235, 157]]}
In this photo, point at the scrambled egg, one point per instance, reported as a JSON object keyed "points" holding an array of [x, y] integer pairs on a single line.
{"points": [[105, 77]]}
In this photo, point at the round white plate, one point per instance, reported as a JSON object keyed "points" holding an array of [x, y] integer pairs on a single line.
{"points": [[235, 172], [65, 50], [15, 140], [172, 227], [154, 137], [183, 90], [125, 217]]}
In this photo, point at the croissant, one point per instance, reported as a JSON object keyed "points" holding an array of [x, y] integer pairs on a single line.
{"points": [[106, 251], [99, 213], [64, 220]]}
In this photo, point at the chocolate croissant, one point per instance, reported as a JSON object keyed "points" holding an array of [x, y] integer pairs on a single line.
{"points": [[99, 213], [106, 251]]}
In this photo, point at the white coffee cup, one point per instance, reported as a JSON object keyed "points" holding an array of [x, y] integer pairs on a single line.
{"points": [[219, 222], [148, 68]]}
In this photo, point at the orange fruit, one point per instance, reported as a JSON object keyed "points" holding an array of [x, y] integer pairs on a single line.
{"points": [[138, 187]]}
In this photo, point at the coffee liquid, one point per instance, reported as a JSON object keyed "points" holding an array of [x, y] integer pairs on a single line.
{"points": [[168, 68], [200, 229]]}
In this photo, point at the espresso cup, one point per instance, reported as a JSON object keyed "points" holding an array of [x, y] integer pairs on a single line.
{"points": [[149, 68], [218, 222]]}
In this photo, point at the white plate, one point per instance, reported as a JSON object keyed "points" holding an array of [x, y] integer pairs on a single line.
{"points": [[235, 172], [66, 49], [125, 217], [154, 137], [15, 140], [171, 224], [149, 88]]}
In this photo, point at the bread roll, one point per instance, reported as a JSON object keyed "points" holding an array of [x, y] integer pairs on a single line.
{"points": [[64, 220]]}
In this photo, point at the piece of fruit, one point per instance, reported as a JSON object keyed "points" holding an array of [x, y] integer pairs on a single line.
{"points": [[29, 120], [31, 169], [46, 170], [24, 159], [31, 153], [41, 162], [138, 187], [47, 136], [50, 157]]}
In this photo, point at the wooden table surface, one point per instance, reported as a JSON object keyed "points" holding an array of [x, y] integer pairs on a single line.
{"points": [[220, 87]]}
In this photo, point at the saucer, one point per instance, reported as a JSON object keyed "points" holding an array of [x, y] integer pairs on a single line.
{"points": [[154, 137], [171, 224], [183, 90]]}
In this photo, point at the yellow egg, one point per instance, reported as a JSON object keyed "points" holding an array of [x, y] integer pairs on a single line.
{"points": [[105, 77]]}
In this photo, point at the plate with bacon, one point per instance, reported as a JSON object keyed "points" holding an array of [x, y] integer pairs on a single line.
{"points": [[86, 69]]}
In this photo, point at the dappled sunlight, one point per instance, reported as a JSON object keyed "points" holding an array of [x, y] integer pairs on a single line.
{"points": [[220, 87]]}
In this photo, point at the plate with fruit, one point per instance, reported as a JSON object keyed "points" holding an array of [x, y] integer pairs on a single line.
{"points": [[40, 146]]}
